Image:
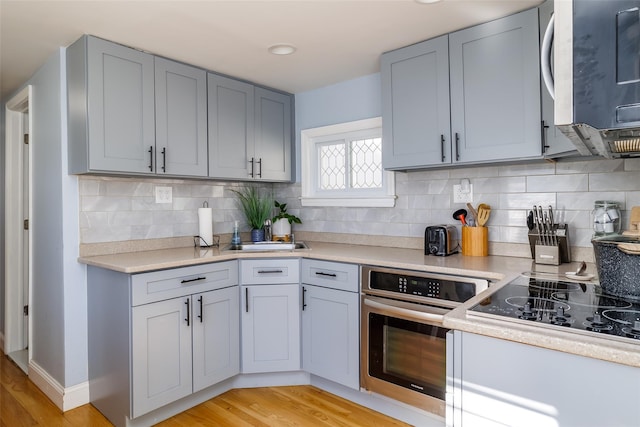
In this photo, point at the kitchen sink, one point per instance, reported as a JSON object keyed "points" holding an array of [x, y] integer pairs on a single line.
{"points": [[267, 246]]}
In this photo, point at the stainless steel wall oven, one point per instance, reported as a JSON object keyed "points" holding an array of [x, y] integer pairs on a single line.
{"points": [[403, 343]]}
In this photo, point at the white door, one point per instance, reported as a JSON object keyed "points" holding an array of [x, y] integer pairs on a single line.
{"points": [[16, 244], [25, 234]]}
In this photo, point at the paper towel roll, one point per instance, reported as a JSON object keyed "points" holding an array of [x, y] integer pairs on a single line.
{"points": [[205, 226]]}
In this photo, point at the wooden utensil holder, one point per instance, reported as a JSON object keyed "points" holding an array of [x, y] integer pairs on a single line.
{"points": [[475, 241]]}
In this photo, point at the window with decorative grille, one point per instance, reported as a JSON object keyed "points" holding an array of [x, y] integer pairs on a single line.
{"points": [[342, 166]]}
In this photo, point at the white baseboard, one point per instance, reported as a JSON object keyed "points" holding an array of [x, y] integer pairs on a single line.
{"points": [[64, 398]]}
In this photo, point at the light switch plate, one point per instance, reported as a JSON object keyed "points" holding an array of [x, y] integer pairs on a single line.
{"points": [[461, 197], [164, 194]]}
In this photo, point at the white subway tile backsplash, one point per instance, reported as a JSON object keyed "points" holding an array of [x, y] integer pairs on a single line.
{"points": [[499, 185], [526, 200], [558, 183], [116, 209], [591, 166], [615, 181]]}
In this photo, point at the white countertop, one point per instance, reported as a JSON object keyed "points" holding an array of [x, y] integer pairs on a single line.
{"points": [[500, 270]]}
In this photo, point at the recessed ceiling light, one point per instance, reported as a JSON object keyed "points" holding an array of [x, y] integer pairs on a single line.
{"points": [[427, 1], [282, 49]]}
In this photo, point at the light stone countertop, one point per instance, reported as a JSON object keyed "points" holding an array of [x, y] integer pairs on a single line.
{"points": [[498, 269]]}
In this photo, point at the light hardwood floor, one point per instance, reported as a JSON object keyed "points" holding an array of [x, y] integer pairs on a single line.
{"points": [[23, 404]]}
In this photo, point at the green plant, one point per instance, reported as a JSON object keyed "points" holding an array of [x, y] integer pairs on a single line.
{"points": [[256, 206], [284, 214]]}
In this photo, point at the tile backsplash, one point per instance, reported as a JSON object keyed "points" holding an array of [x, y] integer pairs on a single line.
{"points": [[122, 209]]}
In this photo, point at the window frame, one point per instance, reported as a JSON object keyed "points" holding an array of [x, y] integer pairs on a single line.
{"points": [[312, 139]]}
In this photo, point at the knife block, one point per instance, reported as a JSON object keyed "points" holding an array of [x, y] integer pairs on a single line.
{"points": [[562, 234]]}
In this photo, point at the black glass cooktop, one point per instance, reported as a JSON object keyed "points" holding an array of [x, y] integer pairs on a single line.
{"points": [[579, 307]]}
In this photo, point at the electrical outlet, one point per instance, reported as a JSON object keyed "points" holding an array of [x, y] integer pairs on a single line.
{"points": [[164, 194], [461, 197]]}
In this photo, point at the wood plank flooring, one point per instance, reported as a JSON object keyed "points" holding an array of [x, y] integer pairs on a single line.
{"points": [[23, 404]]}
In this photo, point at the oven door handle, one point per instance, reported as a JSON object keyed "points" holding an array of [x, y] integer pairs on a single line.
{"points": [[391, 308]]}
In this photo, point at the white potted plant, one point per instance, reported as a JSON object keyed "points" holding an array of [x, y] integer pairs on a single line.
{"points": [[281, 223]]}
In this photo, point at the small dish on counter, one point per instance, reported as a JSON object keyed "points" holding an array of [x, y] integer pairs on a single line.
{"points": [[582, 277]]}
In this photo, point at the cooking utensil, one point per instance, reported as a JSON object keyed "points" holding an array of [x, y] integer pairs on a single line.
{"points": [[460, 215], [484, 211], [473, 212], [530, 223]]}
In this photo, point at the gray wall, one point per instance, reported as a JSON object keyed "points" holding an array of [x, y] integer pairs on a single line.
{"points": [[59, 330], [2, 204]]}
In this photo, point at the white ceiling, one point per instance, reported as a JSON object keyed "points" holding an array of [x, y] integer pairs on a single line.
{"points": [[336, 39]]}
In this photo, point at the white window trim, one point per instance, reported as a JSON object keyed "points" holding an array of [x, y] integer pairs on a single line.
{"points": [[384, 197]]}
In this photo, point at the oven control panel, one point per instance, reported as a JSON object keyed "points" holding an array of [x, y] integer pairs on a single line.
{"points": [[421, 284]]}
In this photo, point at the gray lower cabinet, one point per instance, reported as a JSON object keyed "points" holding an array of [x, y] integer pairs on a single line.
{"points": [[330, 321], [270, 318], [488, 74], [133, 113], [249, 131], [160, 336], [494, 382]]}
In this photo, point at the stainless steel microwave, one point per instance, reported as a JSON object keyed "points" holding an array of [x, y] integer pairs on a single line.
{"points": [[594, 74]]}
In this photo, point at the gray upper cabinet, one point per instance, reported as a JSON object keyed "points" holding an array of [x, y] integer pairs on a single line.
{"points": [[556, 144], [230, 127], [134, 113], [495, 90], [415, 105], [181, 119], [249, 131], [272, 135], [472, 96], [111, 107]]}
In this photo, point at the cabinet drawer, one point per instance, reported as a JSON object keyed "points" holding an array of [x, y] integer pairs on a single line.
{"points": [[333, 275], [165, 284], [270, 271]]}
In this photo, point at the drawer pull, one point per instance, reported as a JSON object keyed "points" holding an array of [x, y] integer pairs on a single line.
{"points": [[270, 271], [322, 273], [193, 280]]}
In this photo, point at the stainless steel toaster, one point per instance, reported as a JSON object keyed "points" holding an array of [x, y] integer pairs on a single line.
{"points": [[441, 240]]}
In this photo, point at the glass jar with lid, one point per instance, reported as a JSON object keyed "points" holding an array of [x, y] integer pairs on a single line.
{"points": [[606, 217]]}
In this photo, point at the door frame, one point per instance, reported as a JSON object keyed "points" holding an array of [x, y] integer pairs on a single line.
{"points": [[13, 226]]}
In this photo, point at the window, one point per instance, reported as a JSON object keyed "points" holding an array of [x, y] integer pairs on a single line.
{"points": [[342, 166]]}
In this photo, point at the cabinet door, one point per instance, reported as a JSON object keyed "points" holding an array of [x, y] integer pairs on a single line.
{"points": [[181, 119], [216, 337], [272, 135], [161, 354], [556, 144], [415, 105], [330, 334], [270, 328], [120, 108], [231, 121], [503, 383], [495, 90]]}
